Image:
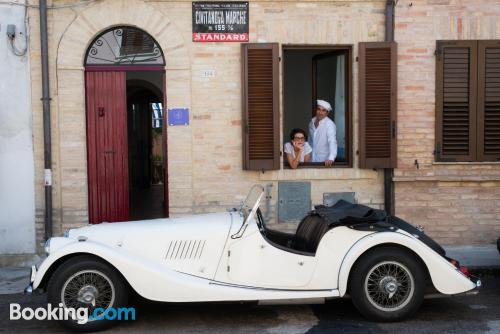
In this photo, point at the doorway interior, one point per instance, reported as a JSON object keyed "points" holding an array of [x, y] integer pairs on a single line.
{"points": [[145, 144]]}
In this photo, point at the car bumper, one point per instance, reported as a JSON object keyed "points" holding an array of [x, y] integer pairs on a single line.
{"points": [[474, 291], [29, 288], [476, 281]]}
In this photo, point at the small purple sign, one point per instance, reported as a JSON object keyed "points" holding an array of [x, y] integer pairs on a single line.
{"points": [[178, 116]]}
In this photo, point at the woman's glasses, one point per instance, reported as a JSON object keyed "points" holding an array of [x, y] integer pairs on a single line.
{"points": [[299, 138]]}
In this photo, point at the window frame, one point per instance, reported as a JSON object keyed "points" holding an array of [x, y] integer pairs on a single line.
{"points": [[94, 44], [476, 105], [439, 105], [262, 164], [371, 156], [348, 48], [482, 46]]}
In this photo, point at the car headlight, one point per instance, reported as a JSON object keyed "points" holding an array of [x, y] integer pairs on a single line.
{"points": [[46, 247]]}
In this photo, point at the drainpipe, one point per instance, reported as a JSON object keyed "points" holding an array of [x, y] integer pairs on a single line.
{"points": [[46, 120], [389, 20], [389, 197]]}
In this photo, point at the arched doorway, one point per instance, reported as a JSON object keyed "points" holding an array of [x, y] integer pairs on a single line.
{"points": [[126, 132]]}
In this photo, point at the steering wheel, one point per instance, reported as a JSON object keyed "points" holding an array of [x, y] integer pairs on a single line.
{"points": [[260, 222]]}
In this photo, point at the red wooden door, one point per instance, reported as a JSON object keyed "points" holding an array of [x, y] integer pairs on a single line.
{"points": [[107, 148]]}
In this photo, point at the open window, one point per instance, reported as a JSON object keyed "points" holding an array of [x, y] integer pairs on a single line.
{"points": [[324, 72], [318, 72]]}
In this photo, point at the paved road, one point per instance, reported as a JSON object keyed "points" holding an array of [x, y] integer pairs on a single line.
{"points": [[472, 314]]}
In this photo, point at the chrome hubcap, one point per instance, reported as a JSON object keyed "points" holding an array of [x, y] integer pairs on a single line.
{"points": [[89, 289], [88, 295], [389, 286]]}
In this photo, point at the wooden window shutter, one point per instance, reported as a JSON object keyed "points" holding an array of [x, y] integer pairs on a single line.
{"points": [[377, 104], [488, 104], [260, 89], [456, 97]]}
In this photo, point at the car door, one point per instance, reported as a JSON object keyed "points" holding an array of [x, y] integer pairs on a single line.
{"points": [[253, 261]]}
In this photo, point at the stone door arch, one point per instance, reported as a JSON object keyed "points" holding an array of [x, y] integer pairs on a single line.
{"points": [[70, 161]]}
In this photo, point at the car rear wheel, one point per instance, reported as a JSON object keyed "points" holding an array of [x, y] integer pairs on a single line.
{"points": [[86, 283], [387, 284]]}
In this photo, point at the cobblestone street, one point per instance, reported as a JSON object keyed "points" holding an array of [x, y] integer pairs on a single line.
{"points": [[469, 314]]}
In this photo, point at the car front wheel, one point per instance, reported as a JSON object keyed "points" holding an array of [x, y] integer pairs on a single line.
{"points": [[387, 284], [90, 286]]}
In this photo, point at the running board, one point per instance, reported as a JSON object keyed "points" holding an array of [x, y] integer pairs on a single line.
{"points": [[292, 301]]}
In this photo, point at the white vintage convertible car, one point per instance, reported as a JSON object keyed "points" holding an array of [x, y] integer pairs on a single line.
{"points": [[384, 264]]}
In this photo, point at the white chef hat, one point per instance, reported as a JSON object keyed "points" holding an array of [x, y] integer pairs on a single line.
{"points": [[324, 104]]}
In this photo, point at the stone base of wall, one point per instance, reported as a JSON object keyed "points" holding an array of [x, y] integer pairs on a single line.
{"points": [[457, 213], [20, 260]]}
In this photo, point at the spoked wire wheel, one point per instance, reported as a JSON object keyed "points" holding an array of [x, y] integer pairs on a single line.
{"points": [[87, 282], [90, 289], [389, 286]]}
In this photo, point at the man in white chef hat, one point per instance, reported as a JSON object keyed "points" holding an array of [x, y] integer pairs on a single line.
{"points": [[322, 135]]}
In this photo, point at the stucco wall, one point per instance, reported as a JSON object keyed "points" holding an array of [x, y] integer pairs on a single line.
{"points": [[17, 207], [455, 202]]}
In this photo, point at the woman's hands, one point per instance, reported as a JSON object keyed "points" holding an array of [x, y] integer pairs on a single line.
{"points": [[298, 147], [298, 142]]}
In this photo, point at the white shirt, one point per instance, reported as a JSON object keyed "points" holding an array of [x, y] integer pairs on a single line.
{"points": [[323, 140], [305, 151]]}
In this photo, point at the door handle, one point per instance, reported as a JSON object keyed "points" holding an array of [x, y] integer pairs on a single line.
{"points": [[100, 111]]}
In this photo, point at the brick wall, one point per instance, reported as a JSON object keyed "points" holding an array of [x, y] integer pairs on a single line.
{"points": [[457, 203], [452, 212], [204, 159]]}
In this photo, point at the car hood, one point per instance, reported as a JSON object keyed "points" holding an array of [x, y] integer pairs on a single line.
{"points": [[193, 226]]}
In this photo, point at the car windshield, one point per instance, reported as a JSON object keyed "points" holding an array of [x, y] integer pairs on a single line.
{"points": [[251, 203]]}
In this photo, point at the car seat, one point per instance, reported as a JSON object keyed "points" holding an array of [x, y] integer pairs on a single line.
{"points": [[309, 233]]}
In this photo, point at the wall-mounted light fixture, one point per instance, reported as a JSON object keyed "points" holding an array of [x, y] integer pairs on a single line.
{"points": [[11, 34], [11, 31]]}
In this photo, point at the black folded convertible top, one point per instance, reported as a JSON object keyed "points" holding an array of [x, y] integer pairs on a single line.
{"points": [[362, 217], [345, 213]]}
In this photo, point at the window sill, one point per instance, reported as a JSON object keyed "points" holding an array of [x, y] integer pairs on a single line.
{"points": [[467, 163], [305, 165], [447, 178], [318, 173]]}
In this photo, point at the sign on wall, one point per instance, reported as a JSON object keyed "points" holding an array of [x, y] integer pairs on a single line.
{"points": [[220, 21], [178, 116]]}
